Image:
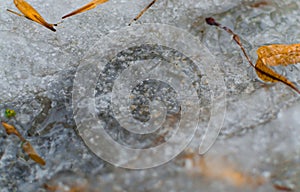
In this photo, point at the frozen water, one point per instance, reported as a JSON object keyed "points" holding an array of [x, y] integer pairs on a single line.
{"points": [[260, 133]]}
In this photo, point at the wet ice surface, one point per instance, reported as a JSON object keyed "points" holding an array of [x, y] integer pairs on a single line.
{"points": [[260, 136]]}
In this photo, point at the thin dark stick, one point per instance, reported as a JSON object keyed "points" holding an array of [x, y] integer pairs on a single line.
{"points": [[142, 12]]}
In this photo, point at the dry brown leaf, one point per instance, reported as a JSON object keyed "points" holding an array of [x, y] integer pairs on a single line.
{"points": [[50, 187], [27, 147], [274, 55], [12, 130], [275, 76], [279, 54], [260, 4], [30, 13], [271, 55], [95, 3], [29, 150], [90, 5], [282, 188]]}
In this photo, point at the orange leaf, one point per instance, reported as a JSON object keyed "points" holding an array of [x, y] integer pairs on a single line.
{"points": [[30, 13], [272, 75], [86, 7], [273, 55], [12, 130], [27, 147], [279, 54]]}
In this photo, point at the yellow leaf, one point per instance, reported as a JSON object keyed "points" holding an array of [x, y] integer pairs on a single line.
{"points": [[29, 150], [279, 54], [30, 13], [86, 7], [11, 130], [273, 55]]}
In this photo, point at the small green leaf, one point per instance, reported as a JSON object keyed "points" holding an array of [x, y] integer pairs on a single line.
{"points": [[9, 113]]}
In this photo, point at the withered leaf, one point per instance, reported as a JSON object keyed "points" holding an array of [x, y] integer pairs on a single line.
{"points": [[271, 55], [279, 54], [29, 150], [282, 188], [10, 129], [268, 75], [90, 5], [30, 13]]}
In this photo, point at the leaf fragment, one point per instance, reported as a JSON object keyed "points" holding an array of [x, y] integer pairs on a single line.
{"points": [[88, 6], [268, 75], [274, 55], [26, 146], [279, 54], [29, 150], [10, 129], [30, 13], [282, 188]]}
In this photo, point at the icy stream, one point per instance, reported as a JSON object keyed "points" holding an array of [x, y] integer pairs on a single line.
{"points": [[260, 136]]}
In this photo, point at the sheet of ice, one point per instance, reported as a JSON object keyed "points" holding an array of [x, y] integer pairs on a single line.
{"points": [[37, 71]]}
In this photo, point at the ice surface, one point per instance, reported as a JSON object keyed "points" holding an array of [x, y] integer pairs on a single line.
{"points": [[260, 134]]}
